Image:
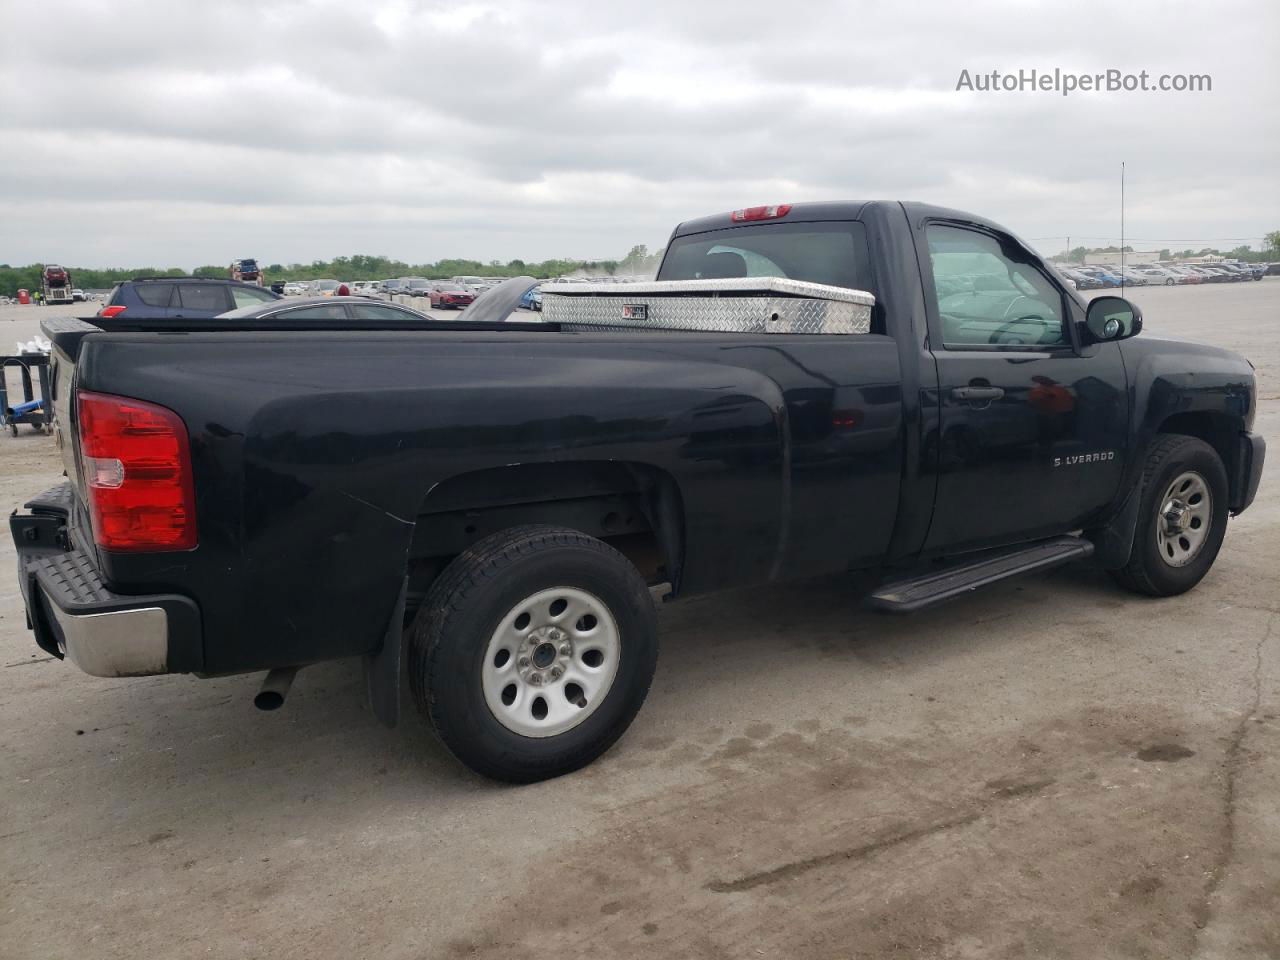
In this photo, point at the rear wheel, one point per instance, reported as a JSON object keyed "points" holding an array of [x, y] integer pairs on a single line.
{"points": [[1182, 518], [533, 652]]}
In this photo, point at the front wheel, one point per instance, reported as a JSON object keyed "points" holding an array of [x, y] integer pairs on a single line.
{"points": [[1182, 518], [533, 652]]}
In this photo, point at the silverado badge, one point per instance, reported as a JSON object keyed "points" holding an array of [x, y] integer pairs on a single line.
{"points": [[1084, 458]]}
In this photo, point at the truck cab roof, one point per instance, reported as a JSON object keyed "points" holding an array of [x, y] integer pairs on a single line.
{"points": [[827, 210]]}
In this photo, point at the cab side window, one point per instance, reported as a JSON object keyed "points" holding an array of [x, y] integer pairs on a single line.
{"points": [[987, 298]]}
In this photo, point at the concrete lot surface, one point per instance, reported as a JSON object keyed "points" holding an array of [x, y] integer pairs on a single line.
{"points": [[1050, 768]]}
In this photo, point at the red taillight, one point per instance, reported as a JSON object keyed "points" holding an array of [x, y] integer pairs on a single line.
{"points": [[111, 311], [761, 213], [136, 467]]}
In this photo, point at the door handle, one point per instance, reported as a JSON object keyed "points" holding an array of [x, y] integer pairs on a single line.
{"points": [[977, 394]]}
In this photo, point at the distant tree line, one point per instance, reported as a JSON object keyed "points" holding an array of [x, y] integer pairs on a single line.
{"points": [[13, 279], [639, 261]]}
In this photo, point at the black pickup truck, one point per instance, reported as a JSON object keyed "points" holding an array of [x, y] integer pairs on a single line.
{"points": [[486, 505]]}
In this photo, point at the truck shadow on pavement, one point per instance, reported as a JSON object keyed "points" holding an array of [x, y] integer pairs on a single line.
{"points": [[724, 652]]}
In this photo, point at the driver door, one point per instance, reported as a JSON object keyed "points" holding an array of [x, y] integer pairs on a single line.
{"points": [[1032, 430]]}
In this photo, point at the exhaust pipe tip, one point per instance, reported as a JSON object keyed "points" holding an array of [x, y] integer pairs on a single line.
{"points": [[268, 700], [275, 687]]}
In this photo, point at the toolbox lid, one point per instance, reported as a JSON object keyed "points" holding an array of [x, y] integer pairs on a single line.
{"points": [[719, 287]]}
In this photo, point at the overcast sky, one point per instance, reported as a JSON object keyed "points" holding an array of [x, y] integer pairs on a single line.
{"points": [[173, 132]]}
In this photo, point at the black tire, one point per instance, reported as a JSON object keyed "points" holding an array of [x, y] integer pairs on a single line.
{"points": [[1147, 570], [465, 605]]}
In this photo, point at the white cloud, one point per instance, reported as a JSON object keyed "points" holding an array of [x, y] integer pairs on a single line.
{"points": [[186, 132]]}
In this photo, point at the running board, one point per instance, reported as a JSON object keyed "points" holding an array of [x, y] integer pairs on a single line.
{"points": [[908, 596]]}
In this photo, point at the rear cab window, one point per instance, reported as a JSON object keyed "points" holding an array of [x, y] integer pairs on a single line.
{"points": [[830, 252]]}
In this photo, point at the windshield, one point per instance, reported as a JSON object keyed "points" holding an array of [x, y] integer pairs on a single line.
{"points": [[833, 252], [418, 284]]}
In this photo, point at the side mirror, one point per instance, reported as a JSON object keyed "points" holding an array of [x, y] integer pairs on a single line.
{"points": [[1112, 318]]}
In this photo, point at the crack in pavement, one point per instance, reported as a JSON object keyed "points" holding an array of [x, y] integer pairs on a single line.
{"points": [[1232, 762], [789, 871], [27, 663]]}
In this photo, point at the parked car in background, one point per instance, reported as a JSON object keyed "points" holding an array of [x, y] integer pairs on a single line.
{"points": [[1154, 276], [365, 288], [1064, 276], [450, 296], [77, 295], [1181, 275], [323, 288], [1104, 277], [1082, 280], [1177, 274], [533, 299], [416, 287], [180, 298], [1238, 270], [341, 310], [246, 271], [392, 287], [1131, 276], [293, 289]]}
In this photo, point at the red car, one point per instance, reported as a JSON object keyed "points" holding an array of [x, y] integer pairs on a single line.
{"points": [[453, 297]]}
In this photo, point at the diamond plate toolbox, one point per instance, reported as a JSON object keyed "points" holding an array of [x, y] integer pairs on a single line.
{"points": [[737, 305]]}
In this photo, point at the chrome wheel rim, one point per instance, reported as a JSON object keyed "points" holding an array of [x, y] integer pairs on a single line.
{"points": [[551, 662], [1185, 514]]}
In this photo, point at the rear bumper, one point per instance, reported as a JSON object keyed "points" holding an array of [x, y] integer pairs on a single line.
{"points": [[1250, 454], [74, 615]]}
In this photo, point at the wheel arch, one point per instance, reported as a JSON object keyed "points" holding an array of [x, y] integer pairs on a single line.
{"points": [[635, 506], [1217, 428], [1220, 430]]}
